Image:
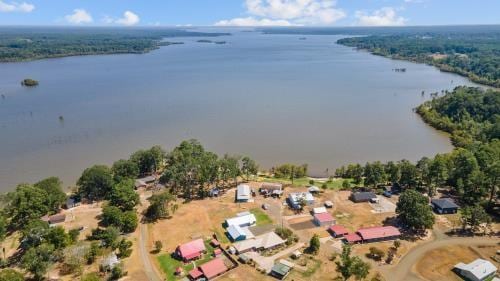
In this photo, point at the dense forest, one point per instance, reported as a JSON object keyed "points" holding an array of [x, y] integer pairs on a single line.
{"points": [[470, 172], [468, 114], [476, 56], [23, 44]]}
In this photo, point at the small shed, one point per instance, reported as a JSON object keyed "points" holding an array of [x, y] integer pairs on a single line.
{"points": [[319, 210], [338, 231], [280, 271], [54, 219], [243, 193], [323, 219], [444, 206], [358, 197], [313, 189], [353, 238], [236, 233]]}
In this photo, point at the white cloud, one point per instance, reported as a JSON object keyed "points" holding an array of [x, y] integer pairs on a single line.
{"points": [[288, 12], [16, 7], [383, 17], [79, 16], [250, 21], [128, 19]]}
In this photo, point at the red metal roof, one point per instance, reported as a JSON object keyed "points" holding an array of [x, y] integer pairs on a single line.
{"points": [[323, 217], [352, 238], [195, 273], [338, 229], [192, 249], [213, 268], [378, 232]]}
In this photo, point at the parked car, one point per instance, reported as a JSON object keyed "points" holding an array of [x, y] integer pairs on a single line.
{"points": [[387, 194], [265, 206]]}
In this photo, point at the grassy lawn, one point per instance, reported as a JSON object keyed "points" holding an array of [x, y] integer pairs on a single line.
{"points": [[262, 218], [301, 182], [169, 264]]}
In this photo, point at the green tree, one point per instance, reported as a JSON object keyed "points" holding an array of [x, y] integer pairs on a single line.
{"points": [[38, 260], [393, 172], [124, 248], [11, 275], [408, 173], [158, 246], [374, 173], [346, 184], [58, 237], [473, 216], [125, 169], [349, 266], [314, 244], [228, 168], [159, 206], [148, 161], [123, 195], [249, 167], [33, 234], [55, 195], [27, 203], [413, 210], [111, 215], [95, 183], [129, 221]]}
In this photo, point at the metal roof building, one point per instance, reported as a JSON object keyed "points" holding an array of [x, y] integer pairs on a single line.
{"points": [[477, 270]]}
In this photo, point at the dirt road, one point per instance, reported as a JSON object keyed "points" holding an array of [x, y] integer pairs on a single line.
{"points": [[403, 271]]}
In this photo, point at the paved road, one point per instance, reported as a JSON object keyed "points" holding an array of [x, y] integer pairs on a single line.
{"points": [[148, 267], [403, 270]]}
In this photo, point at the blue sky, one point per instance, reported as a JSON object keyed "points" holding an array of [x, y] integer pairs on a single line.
{"points": [[248, 12]]}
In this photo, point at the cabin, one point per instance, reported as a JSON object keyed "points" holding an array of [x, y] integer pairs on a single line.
{"points": [[237, 233], [358, 197], [191, 250], [242, 220], [323, 219], [313, 189], [444, 206], [209, 270], [478, 270], [295, 198], [54, 219], [265, 241], [280, 270], [378, 233], [338, 231], [243, 193], [271, 189]]}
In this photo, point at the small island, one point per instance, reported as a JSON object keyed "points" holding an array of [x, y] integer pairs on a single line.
{"points": [[28, 82], [204, 41]]}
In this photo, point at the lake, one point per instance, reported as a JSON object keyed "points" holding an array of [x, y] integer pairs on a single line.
{"points": [[273, 97]]}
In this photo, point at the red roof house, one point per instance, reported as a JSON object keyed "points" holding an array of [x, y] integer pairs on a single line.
{"points": [[195, 274], [323, 219], [213, 268], [191, 250], [379, 233], [338, 230], [352, 238]]}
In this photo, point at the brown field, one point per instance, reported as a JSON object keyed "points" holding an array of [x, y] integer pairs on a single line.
{"points": [[437, 264], [355, 215], [245, 273], [85, 215]]}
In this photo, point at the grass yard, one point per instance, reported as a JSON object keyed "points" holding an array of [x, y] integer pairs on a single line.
{"points": [[169, 264], [335, 183], [261, 216]]}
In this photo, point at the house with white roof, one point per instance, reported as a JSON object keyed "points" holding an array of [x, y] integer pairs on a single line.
{"points": [[262, 242], [295, 198], [478, 270], [243, 193], [242, 221]]}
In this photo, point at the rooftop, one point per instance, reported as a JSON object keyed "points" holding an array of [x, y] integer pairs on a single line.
{"points": [[213, 268], [243, 192], [479, 268], [324, 217], [378, 232], [248, 219], [191, 249], [444, 203], [338, 229], [352, 238], [363, 195]]}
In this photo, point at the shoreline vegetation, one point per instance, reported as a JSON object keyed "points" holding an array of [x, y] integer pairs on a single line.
{"points": [[23, 44], [476, 57], [28, 82]]}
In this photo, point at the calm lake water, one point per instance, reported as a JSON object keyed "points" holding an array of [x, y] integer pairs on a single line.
{"points": [[273, 97]]}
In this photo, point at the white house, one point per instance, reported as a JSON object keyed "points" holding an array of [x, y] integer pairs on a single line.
{"points": [[295, 198], [242, 221], [265, 241], [477, 270], [243, 193]]}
